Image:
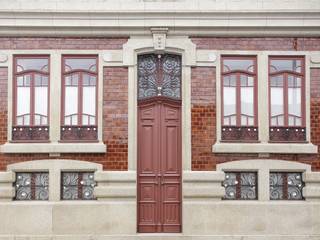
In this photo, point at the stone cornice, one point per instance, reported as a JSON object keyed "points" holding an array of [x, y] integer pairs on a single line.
{"points": [[125, 23]]}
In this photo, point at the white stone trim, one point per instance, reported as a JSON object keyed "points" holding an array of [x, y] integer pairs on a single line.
{"points": [[263, 168], [203, 185], [55, 105], [7, 191], [206, 18], [53, 148], [115, 185], [312, 189], [54, 167], [263, 116], [178, 45]]}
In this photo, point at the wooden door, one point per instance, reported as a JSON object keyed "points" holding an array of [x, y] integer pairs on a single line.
{"points": [[159, 159]]}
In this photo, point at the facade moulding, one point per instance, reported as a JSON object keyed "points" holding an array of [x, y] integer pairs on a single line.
{"points": [[137, 22], [175, 45]]}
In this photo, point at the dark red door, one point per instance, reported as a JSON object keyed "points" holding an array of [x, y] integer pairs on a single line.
{"points": [[159, 160]]}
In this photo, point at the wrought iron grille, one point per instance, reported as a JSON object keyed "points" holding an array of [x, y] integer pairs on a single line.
{"points": [[77, 186], [240, 186], [32, 186], [286, 186], [159, 75]]}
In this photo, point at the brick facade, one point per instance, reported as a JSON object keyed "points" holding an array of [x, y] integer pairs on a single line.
{"points": [[203, 112], [115, 106], [203, 100]]}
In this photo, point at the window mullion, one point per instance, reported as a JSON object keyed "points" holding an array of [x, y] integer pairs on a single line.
{"points": [[285, 102], [80, 98], [32, 99], [238, 100]]}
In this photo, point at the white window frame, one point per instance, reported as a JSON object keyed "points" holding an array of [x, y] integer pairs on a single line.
{"points": [[263, 146], [54, 147]]}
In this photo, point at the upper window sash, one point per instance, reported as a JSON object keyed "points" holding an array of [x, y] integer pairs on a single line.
{"points": [[31, 90], [239, 91], [287, 91], [80, 90]]}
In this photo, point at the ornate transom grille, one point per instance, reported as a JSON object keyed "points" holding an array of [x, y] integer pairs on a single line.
{"points": [[159, 75], [286, 186], [77, 185], [32, 186], [240, 186]]}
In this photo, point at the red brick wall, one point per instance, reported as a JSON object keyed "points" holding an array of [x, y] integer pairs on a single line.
{"points": [[272, 44], [115, 122], [61, 43], [203, 117], [203, 103], [115, 106]]}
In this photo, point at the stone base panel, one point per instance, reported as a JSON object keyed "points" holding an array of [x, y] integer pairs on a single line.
{"points": [[204, 214]]}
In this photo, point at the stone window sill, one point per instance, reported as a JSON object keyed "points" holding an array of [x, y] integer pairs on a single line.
{"points": [[295, 148], [98, 147]]}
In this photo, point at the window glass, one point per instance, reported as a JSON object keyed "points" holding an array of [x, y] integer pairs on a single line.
{"points": [[277, 65], [71, 105], [238, 64], [40, 64], [88, 64], [23, 105]]}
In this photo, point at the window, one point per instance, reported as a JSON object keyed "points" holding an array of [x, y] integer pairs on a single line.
{"points": [[286, 186], [79, 103], [240, 186], [239, 99], [32, 186], [287, 99], [31, 98], [77, 185]]}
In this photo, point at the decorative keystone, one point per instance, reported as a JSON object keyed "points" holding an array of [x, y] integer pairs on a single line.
{"points": [[159, 38]]}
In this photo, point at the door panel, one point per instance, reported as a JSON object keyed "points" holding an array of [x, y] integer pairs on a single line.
{"points": [[159, 143], [159, 167]]}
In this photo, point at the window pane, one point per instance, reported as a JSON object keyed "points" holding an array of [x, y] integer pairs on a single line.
{"points": [[41, 105], [229, 103], [40, 64], [89, 104], [23, 106], [40, 80], [294, 108], [238, 64], [88, 64], [71, 105], [277, 107], [285, 65], [247, 103]]}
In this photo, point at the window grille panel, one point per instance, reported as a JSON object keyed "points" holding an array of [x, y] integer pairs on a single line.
{"points": [[240, 186], [286, 186], [77, 185], [32, 186], [159, 75]]}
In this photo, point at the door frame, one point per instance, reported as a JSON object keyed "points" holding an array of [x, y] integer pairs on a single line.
{"points": [[182, 46]]}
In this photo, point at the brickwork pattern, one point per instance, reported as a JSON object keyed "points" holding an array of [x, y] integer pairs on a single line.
{"points": [[61, 43], [271, 44], [115, 121], [203, 117]]}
